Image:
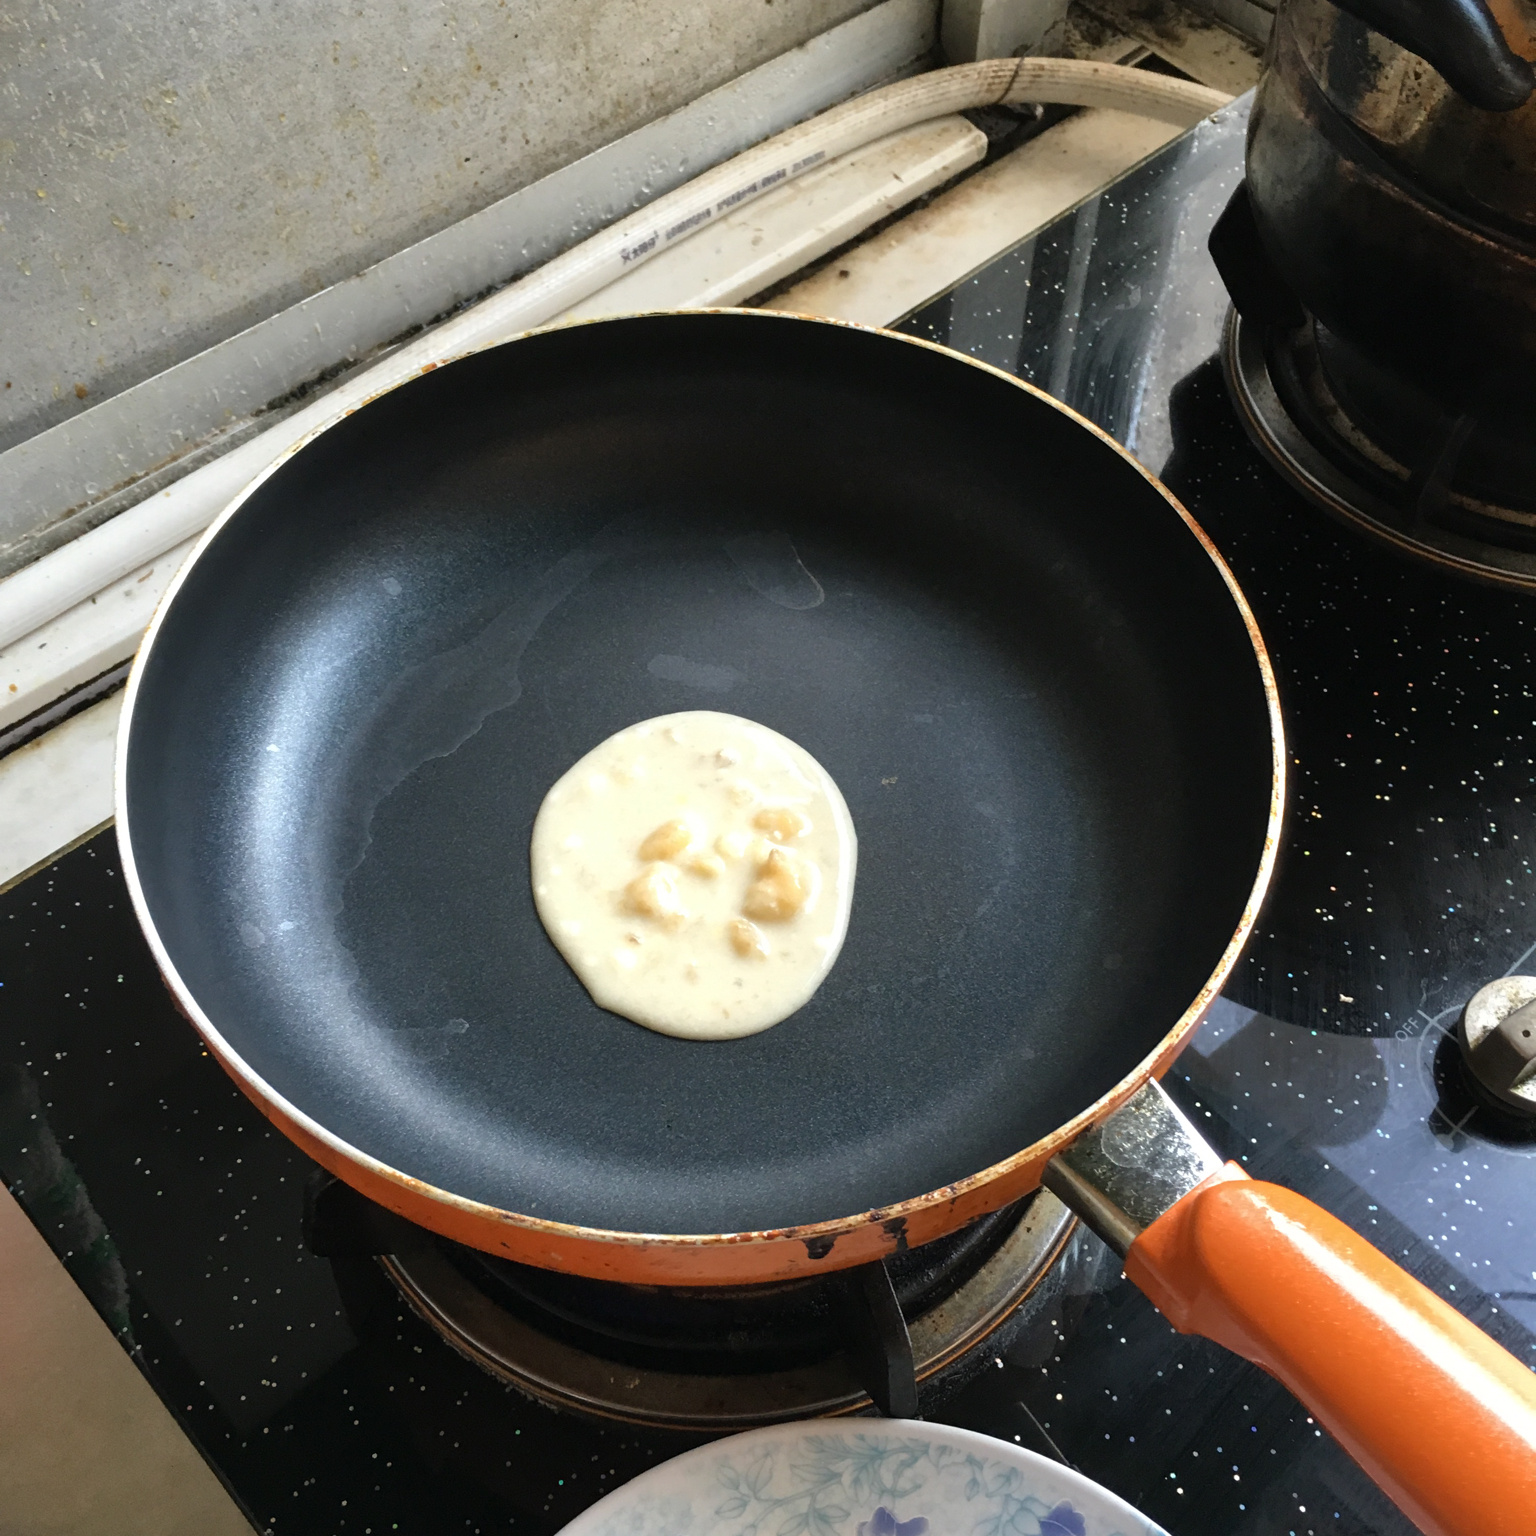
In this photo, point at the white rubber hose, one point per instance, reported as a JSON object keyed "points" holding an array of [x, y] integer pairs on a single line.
{"points": [[42, 591]]}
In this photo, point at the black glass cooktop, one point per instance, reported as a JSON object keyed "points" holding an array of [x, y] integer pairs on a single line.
{"points": [[1404, 884]]}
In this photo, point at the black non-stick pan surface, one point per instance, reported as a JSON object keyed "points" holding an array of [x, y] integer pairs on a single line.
{"points": [[1021, 666]]}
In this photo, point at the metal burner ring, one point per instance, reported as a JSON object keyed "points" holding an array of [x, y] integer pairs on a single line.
{"points": [[579, 1381], [1276, 435]]}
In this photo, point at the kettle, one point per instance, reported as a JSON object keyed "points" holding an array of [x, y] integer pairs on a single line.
{"points": [[1390, 208]]}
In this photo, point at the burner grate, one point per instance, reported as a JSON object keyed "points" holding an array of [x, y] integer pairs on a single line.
{"points": [[1285, 384], [714, 1360]]}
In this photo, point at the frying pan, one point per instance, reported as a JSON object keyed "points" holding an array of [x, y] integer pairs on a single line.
{"points": [[1038, 687]]}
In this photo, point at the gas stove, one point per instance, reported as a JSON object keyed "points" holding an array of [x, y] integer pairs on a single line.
{"points": [[344, 1374]]}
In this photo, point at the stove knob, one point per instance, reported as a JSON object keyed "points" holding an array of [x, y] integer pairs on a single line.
{"points": [[1498, 1042]]}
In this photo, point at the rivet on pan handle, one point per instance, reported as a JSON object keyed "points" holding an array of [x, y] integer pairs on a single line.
{"points": [[1438, 1414]]}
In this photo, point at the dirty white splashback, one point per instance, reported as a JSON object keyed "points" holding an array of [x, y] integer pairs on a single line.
{"points": [[172, 173]]}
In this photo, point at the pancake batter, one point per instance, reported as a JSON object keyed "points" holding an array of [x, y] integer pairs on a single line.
{"points": [[696, 872]]}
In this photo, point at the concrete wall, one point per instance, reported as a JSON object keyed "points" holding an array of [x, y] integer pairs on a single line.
{"points": [[171, 173]]}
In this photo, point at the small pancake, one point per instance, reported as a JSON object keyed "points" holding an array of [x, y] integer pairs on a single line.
{"points": [[696, 872]]}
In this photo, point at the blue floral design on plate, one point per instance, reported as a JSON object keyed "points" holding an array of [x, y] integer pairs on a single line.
{"points": [[884, 1523], [861, 1477], [1063, 1521]]}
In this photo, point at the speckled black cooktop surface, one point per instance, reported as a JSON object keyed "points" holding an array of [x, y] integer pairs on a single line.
{"points": [[1404, 884]]}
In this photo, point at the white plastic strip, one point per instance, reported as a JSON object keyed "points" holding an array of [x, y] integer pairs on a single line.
{"points": [[57, 790], [84, 641], [755, 247]]}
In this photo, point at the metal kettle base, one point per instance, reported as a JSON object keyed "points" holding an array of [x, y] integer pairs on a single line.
{"points": [[1287, 409]]}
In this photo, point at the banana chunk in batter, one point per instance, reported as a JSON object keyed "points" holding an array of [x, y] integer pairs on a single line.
{"points": [[696, 872]]}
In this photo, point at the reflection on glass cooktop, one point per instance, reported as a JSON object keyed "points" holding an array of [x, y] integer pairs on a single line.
{"points": [[1403, 885]]}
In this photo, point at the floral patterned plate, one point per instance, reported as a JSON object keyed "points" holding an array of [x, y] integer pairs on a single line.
{"points": [[861, 1477]]}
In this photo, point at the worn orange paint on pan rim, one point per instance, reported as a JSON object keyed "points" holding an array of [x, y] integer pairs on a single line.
{"points": [[710, 1258]]}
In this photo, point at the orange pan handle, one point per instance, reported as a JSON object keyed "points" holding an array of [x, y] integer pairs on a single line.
{"points": [[1441, 1417]]}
